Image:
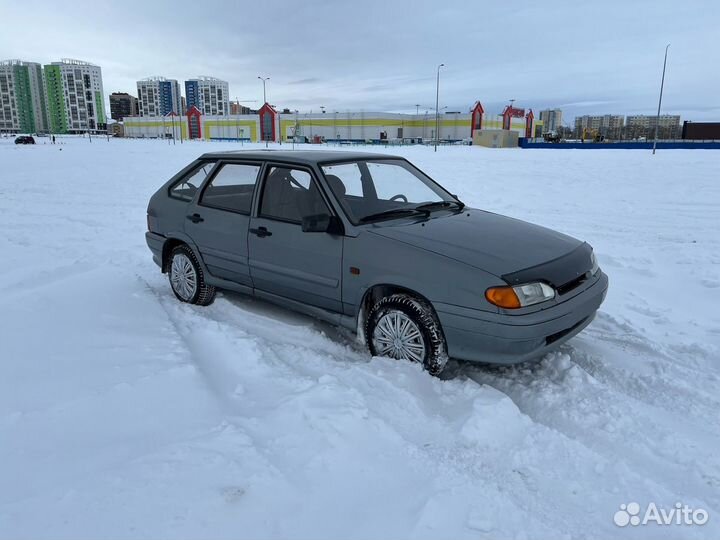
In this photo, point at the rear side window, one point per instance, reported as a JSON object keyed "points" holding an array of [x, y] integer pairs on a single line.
{"points": [[232, 188], [185, 189]]}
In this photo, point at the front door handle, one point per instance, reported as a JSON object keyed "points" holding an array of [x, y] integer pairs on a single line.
{"points": [[262, 232], [195, 218]]}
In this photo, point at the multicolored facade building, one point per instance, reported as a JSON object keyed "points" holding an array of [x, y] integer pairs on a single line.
{"points": [[158, 96], [75, 97], [270, 125], [211, 96], [23, 107]]}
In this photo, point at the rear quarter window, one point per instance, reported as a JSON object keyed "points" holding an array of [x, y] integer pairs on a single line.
{"points": [[185, 188]]}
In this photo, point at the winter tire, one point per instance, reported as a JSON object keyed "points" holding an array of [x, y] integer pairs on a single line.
{"points": [[187, 279], [402, 327]]}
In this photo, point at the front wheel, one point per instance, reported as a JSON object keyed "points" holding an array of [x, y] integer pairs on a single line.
{"points": [[187, 279], [402, 327]]}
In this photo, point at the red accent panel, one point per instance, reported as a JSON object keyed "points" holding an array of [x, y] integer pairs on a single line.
{"points": [[193, 116], [476, 118], [267, 110]]}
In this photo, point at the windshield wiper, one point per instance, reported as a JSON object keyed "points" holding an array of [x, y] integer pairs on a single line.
{"points": [[440, 204], [395, 212]]}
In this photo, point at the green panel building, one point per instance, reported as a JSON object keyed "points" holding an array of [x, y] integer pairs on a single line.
{"points": [[57, 111], [22, 97], [75, 97]]}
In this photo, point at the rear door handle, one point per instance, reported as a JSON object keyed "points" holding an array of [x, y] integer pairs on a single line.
{"points": [[195, 218], [262, 232]]}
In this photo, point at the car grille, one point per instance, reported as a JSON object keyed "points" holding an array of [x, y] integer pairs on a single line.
{"points": [[572, 284]]}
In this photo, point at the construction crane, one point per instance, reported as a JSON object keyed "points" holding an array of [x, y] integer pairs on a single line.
{"points": [[592, 134]]}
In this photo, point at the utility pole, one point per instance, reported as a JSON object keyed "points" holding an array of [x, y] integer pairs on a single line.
{"points": [[662, 83], [437, 108]]}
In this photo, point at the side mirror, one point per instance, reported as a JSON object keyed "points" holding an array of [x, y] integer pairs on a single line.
{"points": [[322, 223]]}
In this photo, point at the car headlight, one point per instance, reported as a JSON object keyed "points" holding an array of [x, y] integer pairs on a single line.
{"points": [[514, 297], [595, 265]]}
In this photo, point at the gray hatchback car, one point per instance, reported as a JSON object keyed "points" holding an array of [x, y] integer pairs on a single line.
{"points": [[370, 242]]}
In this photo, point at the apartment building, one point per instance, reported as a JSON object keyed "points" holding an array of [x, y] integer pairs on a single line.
{"points": [[211, 96], [158, 96], [551, 120], [22, 97], [238, 108], [123, 105], [75, 96], [600, 123], [643, 125]]}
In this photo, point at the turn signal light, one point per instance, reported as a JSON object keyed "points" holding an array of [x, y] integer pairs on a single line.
{"points": [[503, 297]]}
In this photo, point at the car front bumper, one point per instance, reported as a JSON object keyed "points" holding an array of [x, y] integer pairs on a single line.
{"points": [[498, 338]]}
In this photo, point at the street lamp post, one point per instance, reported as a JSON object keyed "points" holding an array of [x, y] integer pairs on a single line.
{"points": [[296, 128], [437, 107], [237, 119], [264, 80], [662, 83]]}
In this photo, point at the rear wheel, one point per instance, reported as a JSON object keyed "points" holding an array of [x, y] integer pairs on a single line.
{"points": [[187, 279], [402, 327]]}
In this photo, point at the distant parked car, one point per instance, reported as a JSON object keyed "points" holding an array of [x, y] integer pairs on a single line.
{"points": [[372, 243], [24, 139]]}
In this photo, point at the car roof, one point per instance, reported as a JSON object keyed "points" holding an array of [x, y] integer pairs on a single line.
{"points": [[305, 157]]}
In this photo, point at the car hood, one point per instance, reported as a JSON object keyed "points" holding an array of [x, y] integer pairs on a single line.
{"points": [[494, 243]]}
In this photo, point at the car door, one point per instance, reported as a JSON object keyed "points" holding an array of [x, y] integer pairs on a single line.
{"points": [[284, 260], [219, 217]]}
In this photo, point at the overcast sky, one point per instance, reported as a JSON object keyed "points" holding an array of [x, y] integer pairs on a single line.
{"points": [[583, 57]]}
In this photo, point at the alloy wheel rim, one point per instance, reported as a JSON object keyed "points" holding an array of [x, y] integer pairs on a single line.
{"points": [[183, 277], [396, 335]]}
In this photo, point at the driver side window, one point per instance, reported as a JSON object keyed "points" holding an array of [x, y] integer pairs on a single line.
{"points": [[290, 194]]}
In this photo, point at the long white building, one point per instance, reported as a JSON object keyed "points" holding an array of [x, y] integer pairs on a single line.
{"points": [[270, 125], [158, 96], [211, 96]]}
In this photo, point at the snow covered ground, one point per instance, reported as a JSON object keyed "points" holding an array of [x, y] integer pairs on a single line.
{"points": [[125, 414]]}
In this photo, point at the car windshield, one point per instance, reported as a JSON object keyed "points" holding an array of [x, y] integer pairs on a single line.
{"points": [[378, 190]]}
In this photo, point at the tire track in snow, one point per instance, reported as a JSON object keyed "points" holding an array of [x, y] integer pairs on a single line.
{"points": [[646, 439], [677, 379]]}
